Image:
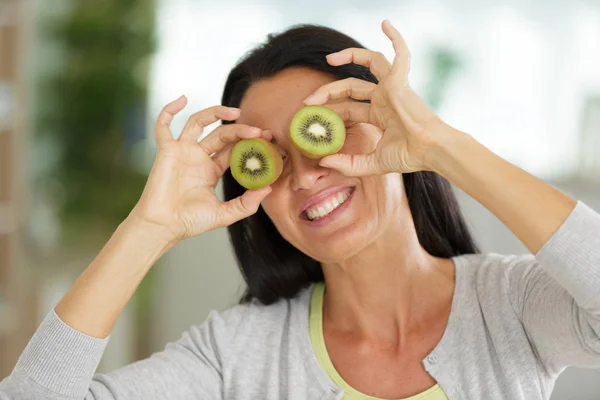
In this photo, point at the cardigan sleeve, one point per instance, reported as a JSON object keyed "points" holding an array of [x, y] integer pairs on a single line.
{"points": [[557, 294]]}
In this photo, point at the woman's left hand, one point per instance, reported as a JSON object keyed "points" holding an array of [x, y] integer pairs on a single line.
{"points": [[411, 131]]}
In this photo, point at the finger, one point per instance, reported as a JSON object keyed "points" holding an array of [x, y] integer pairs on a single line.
{"points": [[242, 206], [394, 35], [222, 159], [354, 88], [402, 57], [351, 111], [364, 138], [352, 164], [161, 128], [197, 122], [227, 134], [377, 63], [267, 135]]}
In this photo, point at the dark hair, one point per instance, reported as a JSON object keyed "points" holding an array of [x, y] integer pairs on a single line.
{"points": [[271, 266]]}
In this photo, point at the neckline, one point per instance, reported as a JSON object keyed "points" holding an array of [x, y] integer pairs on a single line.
{"points": [[319, 356]]}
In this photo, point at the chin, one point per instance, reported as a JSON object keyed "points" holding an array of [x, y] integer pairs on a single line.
{"points": [[340, 246]]}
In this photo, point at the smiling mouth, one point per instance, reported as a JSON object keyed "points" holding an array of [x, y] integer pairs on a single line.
{"points": [[324, 208]]}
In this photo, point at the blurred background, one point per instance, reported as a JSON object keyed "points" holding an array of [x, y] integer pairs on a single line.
{"points": [[81, 82]]}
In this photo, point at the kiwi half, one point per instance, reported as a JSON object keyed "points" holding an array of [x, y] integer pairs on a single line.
{"points": [[317, 131], [255, 163]]}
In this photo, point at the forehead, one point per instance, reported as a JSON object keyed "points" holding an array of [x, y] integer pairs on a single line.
{"points": [[271, 103]]}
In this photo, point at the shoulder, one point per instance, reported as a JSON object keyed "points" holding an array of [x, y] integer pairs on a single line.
{"points": [[497, 277], [255, 316], [489, 267]]}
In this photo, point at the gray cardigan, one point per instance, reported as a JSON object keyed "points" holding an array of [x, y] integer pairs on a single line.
{"points": [[516, 323]]}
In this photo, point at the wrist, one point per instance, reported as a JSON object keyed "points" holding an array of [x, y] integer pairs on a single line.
{"points": [[445, 153], [149, 234]]}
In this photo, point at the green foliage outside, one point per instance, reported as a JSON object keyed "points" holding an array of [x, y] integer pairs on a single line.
{"points": [[93, 113], [445, 64]]}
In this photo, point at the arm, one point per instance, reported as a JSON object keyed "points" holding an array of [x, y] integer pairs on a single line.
{"points": [[555, 295], [178, 202], [529, 207], [59, 362]]}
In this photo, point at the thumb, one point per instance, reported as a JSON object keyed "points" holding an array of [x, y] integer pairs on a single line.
{"points": [[351, 164], [242, 206]]}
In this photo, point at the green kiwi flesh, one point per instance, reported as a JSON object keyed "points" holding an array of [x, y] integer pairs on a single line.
{"points": [[255, 163], [317, 131]]}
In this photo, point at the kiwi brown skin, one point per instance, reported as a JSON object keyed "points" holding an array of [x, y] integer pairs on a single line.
{"points": [[270, 151], [336, 119]]}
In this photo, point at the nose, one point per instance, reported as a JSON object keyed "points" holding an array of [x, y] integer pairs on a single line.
{"points": [[305, 171]]}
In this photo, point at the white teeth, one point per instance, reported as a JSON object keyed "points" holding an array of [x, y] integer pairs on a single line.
{"points": [[327, 207]]}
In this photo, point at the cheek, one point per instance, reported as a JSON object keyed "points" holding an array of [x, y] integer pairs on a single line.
{"points": [[270, 205], [384, 193], [393, 192], [361, 139], [276, 206]]}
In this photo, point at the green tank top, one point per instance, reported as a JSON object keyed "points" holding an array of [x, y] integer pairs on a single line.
{"points": [[318, 344]]}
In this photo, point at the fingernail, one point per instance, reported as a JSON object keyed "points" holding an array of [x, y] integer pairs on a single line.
{"points": [[331, 58], [256, 131], [314, 99], [308, 99], [234, 109], [324, 163]]}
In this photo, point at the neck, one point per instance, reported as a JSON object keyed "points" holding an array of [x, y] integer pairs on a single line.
{"points": [[388, 289]]}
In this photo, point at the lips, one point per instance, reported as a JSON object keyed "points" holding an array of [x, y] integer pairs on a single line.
{"points": [[325, 202]]}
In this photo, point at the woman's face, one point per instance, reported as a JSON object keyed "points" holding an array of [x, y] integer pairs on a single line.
{"points": [[358, 210]]}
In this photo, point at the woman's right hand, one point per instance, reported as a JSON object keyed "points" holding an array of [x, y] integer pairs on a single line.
{"points": [[179, 197]]}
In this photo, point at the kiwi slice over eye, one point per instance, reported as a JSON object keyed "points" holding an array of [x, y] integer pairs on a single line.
{"points": [[255, 163], [317, 131]]}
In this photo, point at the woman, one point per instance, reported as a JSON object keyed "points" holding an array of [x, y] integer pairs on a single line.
{"points": [[380, 298]]}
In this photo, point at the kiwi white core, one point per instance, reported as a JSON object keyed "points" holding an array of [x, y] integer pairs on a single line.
{"points": [[317, 130], [253, 164]]}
